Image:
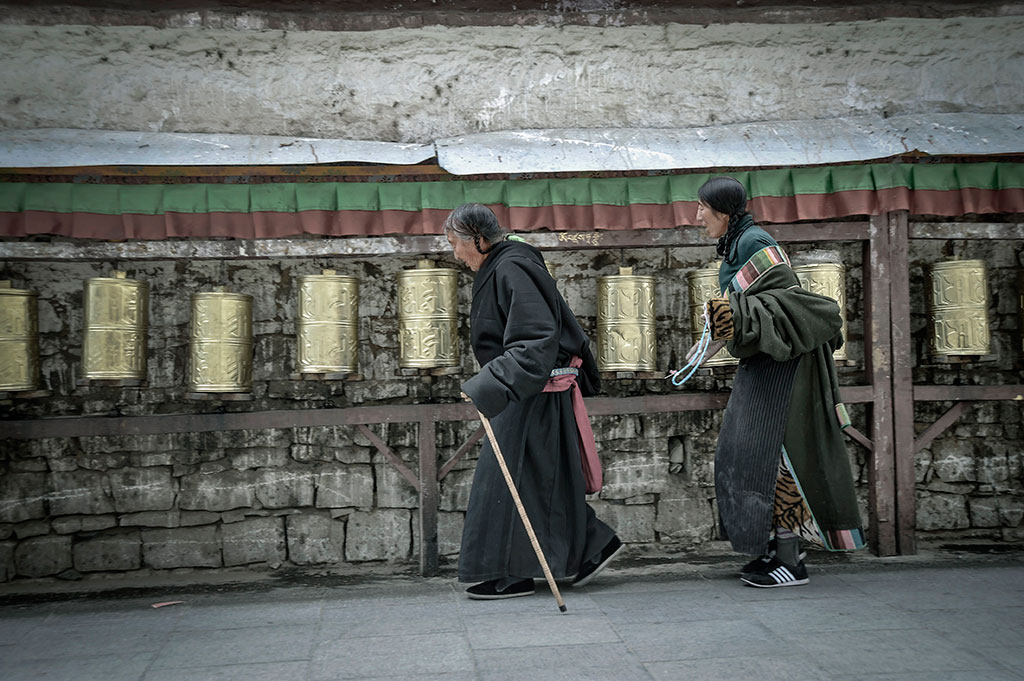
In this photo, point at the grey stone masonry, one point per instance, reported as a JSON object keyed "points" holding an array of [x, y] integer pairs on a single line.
{"points": [[42, 556], [182, 547], [121, 551], [22, 497], [218, 491], [381, 535], [142, 489], [340, 486], [79, 492], [255, 540], [315, 539], [283, 488]]}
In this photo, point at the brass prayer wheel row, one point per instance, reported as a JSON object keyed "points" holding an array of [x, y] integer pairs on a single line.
{"points": [[19, 339], [116, 314]]}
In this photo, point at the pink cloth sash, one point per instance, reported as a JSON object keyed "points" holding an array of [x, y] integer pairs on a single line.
{"points": [[588, 448]]}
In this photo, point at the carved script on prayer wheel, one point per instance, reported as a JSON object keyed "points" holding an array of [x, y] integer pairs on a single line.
{"points": [[703, 285], [428, 317], [829, 280], [959, 308], [625, 322], [19, 339], [220, 352], [328, 324], [116, 323]]}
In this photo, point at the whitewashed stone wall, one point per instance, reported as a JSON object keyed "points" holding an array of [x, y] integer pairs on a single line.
{"points": [[324, 496], [421, 84]]}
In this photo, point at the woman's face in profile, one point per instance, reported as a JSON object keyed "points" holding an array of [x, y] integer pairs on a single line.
{"points": [[465, 250], [714, 223]]}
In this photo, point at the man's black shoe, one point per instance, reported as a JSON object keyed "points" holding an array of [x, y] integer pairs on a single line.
{"points": [[488, 591], [591, 568]]}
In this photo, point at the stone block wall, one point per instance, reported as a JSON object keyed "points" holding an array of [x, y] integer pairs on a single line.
{"points": [[325, 496]]}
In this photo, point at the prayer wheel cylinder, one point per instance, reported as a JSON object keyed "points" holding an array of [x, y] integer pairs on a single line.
{"points": [[221, 343], [116, 324], [826, 279], [703, 285], [958, 308], [328, 324], [19, 339], [428, 317], [625, 322]]}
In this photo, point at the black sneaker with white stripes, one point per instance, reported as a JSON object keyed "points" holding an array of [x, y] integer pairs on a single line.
{"points": [[755, 565], [776, 573]]}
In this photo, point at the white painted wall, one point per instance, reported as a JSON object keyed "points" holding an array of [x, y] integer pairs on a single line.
{"points": [[417, 85]]}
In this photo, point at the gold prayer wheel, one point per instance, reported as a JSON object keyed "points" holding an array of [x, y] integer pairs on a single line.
{"points": [[625, 322], [220, 351], [703, 285], [959, 308], [428, 317], [328, 324], [826, 279], [19, 339], [116, 323]]}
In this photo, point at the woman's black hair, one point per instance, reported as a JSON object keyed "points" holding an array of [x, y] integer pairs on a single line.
{"points": [[475, 221], [726, 195]]}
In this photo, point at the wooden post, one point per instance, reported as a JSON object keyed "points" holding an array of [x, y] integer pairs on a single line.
{"points": [[902, 382], [878, 362], [429, 492]]}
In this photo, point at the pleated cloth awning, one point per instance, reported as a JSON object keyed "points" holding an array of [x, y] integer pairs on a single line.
{"points": [[279, 209]]}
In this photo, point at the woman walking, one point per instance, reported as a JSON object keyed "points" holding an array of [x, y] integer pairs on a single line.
{"points": [[535, 366], [782, 473]]}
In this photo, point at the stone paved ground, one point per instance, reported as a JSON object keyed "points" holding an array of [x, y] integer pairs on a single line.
{"points": [[873, 619]]}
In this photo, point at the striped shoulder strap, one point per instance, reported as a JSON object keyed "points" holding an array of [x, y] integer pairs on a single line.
{"points": [[759, 263]]}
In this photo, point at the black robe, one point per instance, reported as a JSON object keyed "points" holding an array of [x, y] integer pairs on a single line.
{"points": [[521, 329]]}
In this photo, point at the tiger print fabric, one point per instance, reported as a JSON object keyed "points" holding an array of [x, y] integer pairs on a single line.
{"points": [[720, 317], [790, 510]]}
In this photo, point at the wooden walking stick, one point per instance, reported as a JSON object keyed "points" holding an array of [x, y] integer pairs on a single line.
{"points": [[522, 512]]}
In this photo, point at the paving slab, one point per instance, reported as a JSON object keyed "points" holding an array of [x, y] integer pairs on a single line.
{"points": [[872, 620]]}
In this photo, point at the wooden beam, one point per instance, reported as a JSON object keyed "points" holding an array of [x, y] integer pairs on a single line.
{"points": [[857, 394], [450, 463], [940, 425], [394, 458], [429, 493], [902, 383], [968, 393], [878, 363], [967, 230], [106, 426], [859, 437]]}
